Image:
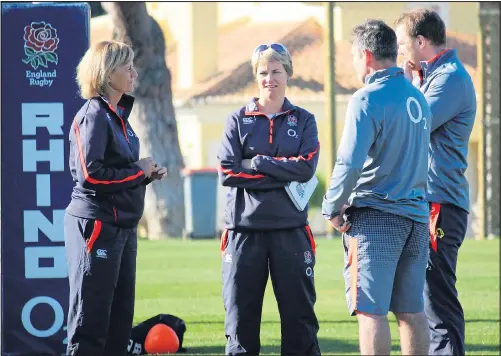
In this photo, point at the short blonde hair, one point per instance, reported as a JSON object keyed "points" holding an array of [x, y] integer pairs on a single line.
{"points": [[269, 55], [98, 63]]}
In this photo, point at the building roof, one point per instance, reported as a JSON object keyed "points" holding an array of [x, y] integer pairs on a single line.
{"points": [[234, 80]]}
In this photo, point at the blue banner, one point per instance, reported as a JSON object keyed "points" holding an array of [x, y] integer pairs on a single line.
{"points": [[41, 47]]}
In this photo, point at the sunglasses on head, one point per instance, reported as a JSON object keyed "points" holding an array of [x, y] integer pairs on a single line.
{"points": [[274, 46]]}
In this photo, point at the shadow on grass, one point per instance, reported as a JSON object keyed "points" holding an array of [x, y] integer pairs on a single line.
{"points": [[468, 321], [204, 350], [486, 348], [327, 346], [332, 346], [213, 322]]}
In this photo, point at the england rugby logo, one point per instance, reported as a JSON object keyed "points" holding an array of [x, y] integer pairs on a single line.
{"points": [[41, 43], [292, 120]]}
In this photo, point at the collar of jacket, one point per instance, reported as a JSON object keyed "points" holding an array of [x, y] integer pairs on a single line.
{"points": [[125, 105], [253, 109], [430, 66], [383, 73]]}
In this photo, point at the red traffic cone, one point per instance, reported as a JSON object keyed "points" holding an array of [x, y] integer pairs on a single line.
{"points": [[161, 339]]}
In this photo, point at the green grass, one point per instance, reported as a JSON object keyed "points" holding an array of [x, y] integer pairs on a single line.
{"points": [[183, 278]]}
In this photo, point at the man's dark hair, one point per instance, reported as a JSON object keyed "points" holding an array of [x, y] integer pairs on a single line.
{"points": [[426, 23], [378, 38]]}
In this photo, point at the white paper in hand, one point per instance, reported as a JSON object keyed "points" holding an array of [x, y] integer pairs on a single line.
{"points": [[300, 193]]}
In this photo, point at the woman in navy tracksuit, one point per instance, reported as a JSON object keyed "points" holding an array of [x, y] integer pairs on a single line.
{"points": [[266, 144], [100, 226]]}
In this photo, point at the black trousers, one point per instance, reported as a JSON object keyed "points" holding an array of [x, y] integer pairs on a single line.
{"points": [[289, 257], [102, 271], [442, 306]]}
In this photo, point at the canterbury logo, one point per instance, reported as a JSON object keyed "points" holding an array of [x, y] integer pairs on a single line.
{"points": [[248, 120], [102, 253]]}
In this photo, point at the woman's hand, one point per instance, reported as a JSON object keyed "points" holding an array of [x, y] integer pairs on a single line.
{"points": [[147, 165], [159, 173]]}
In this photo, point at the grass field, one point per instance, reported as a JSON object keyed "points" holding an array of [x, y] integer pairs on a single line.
{"points": [[183, 278]]}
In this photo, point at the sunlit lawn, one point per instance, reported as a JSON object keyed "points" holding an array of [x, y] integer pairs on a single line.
{"points": [[183, 278]]}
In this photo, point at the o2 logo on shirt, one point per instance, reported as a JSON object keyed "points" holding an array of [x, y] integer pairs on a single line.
{"points": [[419, 117], [292, 133], [131, 133]]}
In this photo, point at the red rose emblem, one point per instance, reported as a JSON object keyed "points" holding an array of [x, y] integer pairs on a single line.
{"points": [[40, 44], [41, 37]]}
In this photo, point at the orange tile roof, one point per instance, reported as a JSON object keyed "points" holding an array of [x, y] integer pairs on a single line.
{"points": [[234, 80], [304, 41], [234, 51], [306, 45]]}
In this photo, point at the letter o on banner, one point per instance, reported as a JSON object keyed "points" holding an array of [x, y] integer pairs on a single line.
{"points": [[58, 316]]}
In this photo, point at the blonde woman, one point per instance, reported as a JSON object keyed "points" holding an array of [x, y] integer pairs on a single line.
{"points": [[100, 226], [266, 144]]}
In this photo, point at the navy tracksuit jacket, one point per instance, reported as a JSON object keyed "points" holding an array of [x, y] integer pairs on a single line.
{"points": [[265, 234], [103, 148], [100, 228], [284, 149]]}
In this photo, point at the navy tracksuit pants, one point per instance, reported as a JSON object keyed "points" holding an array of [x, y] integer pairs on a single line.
{"points": [[442, 306], [101, 270], [288, 257]]}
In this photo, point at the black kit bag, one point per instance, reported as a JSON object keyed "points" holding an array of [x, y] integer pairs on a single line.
{"points": [[139, 332]]}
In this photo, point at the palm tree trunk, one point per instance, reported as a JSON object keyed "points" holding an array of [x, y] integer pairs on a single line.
{"points": [[153, 116]]}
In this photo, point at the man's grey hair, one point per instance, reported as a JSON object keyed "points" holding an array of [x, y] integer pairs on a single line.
{"points": [[378, 38]]}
